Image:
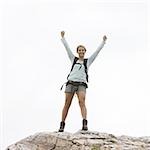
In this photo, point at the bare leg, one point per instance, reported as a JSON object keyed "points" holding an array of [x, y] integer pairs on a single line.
{"points": [[69, 97], [81, 98], [66, 107]]}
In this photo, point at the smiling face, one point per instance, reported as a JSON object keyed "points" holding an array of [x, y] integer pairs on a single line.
{"points": [[81, 51]]}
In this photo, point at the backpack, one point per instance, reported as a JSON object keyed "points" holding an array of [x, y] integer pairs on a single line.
{"points": [[85, 66]]}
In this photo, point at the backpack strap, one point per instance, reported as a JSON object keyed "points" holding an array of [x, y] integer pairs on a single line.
{"points": [[86, 70], [74, 62]]}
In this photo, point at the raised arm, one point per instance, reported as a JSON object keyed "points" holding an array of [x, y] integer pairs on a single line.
{"points": [[94, 55], [69, 52]]}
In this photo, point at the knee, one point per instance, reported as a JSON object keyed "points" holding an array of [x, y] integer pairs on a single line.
{"points": [[82, 103], [67, 104]]}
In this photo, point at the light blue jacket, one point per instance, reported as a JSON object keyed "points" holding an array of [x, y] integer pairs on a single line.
{"points": [[77, 74]]}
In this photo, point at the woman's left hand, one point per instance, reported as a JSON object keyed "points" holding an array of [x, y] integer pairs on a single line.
{"points": [[104, 38]]}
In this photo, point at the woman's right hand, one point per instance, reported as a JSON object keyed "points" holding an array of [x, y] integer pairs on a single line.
{"points": [[62, 33]]}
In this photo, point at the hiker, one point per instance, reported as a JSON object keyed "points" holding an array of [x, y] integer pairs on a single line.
{"points": [[77, 80]]}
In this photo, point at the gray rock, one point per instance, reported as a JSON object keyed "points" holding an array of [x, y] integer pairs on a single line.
{"points": [[81, 140]]}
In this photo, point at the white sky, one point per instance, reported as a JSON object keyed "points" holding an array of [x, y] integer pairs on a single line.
{"points": [[35, 65]]}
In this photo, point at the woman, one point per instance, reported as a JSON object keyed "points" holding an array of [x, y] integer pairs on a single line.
{"points": [[77, 80]]}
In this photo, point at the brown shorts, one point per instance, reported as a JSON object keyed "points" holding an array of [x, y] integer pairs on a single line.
{"points": [[70, 88]]}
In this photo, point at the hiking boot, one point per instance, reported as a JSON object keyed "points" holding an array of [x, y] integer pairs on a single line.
{"points": [[62, 126], [84, 125]]}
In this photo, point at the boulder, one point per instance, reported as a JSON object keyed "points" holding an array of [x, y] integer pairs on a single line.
{"points": [[81, 140]]}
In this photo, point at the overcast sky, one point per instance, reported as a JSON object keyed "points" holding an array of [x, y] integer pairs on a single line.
{"points": [[35, 65]]}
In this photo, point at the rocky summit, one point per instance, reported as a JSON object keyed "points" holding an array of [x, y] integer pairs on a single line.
{"points": [[82, 140]]}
